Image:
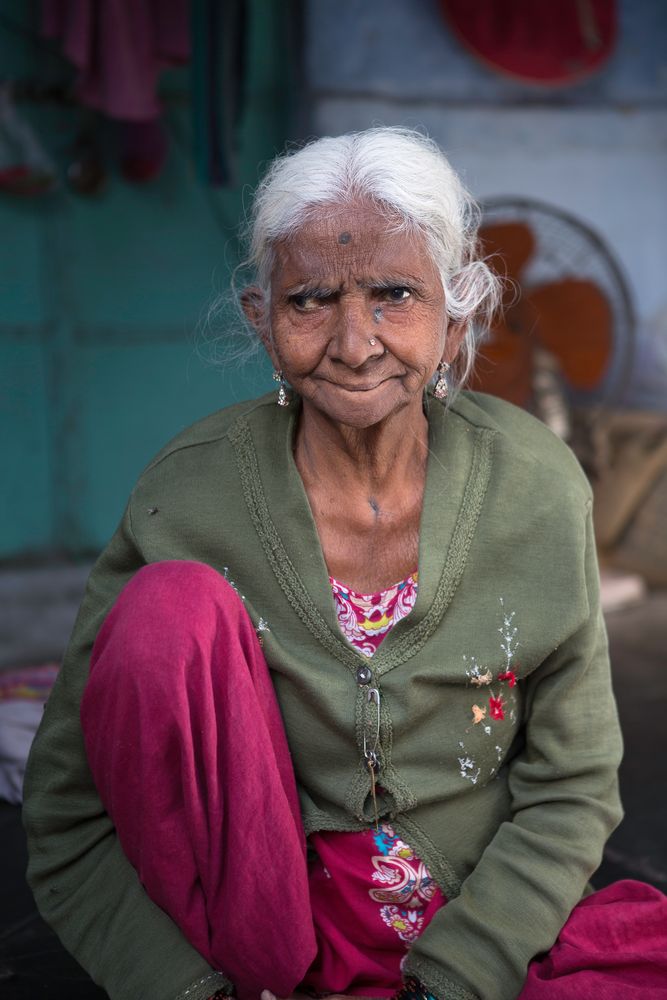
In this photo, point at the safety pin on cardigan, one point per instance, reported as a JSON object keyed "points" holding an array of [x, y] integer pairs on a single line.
{"points": [[370, 753]]}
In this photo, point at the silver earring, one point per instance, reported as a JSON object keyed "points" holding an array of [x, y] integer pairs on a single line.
{"points": [[441, 390], [283, 398]]}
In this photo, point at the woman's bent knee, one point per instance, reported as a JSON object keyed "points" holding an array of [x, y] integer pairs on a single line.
{"points": [[168, 613]]}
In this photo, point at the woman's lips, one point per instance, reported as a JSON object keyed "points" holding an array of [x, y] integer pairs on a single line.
{"points": [[357, 386]]}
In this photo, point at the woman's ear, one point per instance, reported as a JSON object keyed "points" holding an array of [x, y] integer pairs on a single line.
{"points": [[456, 332], [253, 303]]}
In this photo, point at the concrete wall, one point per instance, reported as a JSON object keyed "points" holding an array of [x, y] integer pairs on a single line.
{"points": [[598, 149]]}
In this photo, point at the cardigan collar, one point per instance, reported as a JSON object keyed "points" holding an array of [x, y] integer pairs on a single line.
{"points": [[457, 476]]}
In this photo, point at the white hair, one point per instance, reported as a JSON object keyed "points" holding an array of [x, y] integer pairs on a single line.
{"points": [[402, 172]]}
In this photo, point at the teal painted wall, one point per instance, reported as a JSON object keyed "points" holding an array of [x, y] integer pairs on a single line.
{"points": [[100, 300]]}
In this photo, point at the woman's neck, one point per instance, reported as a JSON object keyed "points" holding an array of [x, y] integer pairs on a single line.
{"points": [[373, 460], [365, 489]]}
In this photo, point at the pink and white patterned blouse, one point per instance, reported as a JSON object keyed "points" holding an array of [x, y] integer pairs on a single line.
{"points": [[365, 619]]}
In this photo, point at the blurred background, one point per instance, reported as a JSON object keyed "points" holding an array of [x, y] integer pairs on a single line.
{"points": [[131, 137]]}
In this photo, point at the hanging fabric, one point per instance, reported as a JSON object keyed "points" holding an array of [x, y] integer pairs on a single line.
{"points": [[219, 33], [120, 48]]}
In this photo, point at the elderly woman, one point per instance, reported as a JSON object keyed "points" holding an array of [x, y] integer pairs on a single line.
{"points": [[347, 725]]}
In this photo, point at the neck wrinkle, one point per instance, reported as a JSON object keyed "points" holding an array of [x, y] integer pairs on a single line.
{"points": [[376, 456]]}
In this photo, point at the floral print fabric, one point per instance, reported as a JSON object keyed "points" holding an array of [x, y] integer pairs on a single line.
{"points": [[405, 887], [371, 897], [365, 619]]}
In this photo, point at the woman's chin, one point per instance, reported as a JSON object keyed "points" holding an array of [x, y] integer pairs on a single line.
{"points": [[361, 409]]}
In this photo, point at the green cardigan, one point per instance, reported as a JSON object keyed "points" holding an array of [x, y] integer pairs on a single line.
{"points": [[509, 812]]}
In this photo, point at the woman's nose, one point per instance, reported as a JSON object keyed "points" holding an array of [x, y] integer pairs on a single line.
{"points": [[352, 333]]}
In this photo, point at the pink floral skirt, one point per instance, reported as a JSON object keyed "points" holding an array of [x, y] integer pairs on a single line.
{"points": [[371, 897]]}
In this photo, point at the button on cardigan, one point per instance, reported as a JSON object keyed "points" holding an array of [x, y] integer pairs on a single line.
{"points": [[498, 736]]}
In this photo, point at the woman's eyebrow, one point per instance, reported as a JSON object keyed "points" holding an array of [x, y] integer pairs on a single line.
{"points": [[392, 281], [323, 290], [310, 290]]}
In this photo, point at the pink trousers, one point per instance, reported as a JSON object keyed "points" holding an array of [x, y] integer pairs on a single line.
{"points": [[188, 751]]}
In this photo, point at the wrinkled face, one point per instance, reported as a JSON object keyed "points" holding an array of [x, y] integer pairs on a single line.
{"points": [[357, 319]]}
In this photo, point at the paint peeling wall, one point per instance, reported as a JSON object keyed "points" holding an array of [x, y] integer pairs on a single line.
{"points": [[598, 149]]}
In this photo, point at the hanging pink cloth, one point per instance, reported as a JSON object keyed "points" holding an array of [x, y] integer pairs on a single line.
{"points": [[119, 48]]}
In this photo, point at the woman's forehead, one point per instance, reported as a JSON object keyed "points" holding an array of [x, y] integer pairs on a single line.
{"points": [[357, 238], [345, 223]]}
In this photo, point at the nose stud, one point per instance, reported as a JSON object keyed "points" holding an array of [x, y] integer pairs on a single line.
{"points": [[372, 342]]}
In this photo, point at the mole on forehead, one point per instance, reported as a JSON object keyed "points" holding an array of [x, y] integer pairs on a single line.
{"points": [[344, 237]]}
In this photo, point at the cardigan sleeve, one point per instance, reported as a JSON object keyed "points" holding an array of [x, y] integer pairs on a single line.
{"points": [[84, 886], [565, 803]]}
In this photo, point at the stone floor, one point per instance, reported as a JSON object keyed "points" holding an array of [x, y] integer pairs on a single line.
{"points": [[38, 608]]}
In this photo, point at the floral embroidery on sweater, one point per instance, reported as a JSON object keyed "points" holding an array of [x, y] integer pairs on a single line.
{"points": [[262, 624], [501, 704]]}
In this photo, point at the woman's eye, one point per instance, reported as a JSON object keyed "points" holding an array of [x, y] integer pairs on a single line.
{"points": [[398, 294], [306, 303]]}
